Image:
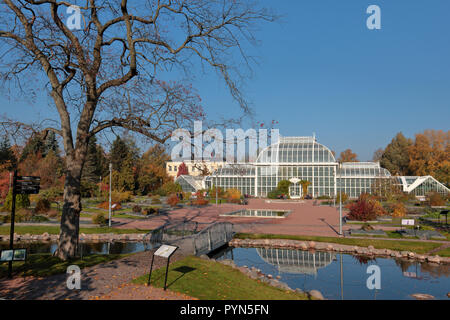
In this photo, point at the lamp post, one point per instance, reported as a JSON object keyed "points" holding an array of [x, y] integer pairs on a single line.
{"points": [[110, 181]]}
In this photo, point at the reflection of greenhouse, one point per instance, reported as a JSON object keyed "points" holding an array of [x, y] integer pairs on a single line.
{"points": [[303, 158], [296, 261]]}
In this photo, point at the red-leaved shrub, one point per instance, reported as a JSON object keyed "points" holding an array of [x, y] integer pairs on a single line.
{"points": [[365, 208]]}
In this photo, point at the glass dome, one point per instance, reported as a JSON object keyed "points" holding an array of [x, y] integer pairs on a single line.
{"points": [[296, 150]]}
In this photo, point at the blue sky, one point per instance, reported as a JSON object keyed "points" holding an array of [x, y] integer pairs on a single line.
{"points": [[321, 70]]}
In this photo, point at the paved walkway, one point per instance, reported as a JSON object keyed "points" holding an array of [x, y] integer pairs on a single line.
{"points": [[304, 219], [106, 280]]}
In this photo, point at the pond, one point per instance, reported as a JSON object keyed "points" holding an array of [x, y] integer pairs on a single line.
{"points": [[344, 276], [263, 213], [85, 248]]}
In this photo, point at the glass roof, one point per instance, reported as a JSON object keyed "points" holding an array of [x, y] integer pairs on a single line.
{"points": [[296, 150], [363, 169]]}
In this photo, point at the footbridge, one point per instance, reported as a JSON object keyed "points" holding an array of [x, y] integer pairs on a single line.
{"points": [[194, 237]]}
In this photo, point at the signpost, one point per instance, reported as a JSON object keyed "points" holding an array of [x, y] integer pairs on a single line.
{"points": [[165, 251], [20, 185], [407, 222]]}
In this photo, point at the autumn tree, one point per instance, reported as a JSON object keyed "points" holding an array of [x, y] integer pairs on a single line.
{"points": [[396, 155], [106, 74], [348, 156], [377, 155], [430, 155], [182, 169]]}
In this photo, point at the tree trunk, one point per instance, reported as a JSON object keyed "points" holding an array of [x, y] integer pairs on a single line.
{"points": [[70, 226]]}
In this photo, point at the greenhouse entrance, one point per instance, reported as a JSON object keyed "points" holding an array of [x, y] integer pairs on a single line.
{"points": [[295, 190]]}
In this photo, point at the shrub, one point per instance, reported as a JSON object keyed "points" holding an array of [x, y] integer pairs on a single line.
{"points": [[212, 192], [42, 206], [173, 200], [200, 200], [39, 218], [121, 197], [52, 213], [137, 209], [150, 210], [274, 194], [283, 186], [22, 201], [366, 227], [105, 205], [99, 218], [365, 208], [156, 200], [22, 215], [52, 194], [344, 197], [233, 195], [435, 199], [397, 209], [323, 197], [187, 195], [169, 188]]}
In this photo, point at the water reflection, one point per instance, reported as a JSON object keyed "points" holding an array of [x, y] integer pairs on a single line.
{"points": [[87, 248], [296, 261], [339, 276]]}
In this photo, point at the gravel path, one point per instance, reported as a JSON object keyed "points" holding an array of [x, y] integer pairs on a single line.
{"points": [[97, 281]]}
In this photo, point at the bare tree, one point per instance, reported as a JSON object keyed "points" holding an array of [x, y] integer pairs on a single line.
{"points": [[105, 75]]}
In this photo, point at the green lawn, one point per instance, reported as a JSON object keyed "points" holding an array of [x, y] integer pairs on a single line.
{"points": [[4, 230], [414, 246], [444, 253], [211, 280], [42, 265]]}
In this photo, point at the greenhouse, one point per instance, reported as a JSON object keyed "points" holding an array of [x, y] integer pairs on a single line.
{"points": [[300, 159]]}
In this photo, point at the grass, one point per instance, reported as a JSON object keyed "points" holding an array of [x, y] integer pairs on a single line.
{"points": [[444, 253], [43, 265], [414, 246], [210, 280], [4, 230]]}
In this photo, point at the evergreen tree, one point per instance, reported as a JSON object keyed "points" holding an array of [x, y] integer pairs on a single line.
{"points": [[119, 152], [92, 169], [34, 146], [126, 177], [50, 144], [396, 155], [7, 157]]}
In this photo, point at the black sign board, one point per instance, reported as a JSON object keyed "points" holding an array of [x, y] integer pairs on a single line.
{"points": [[165, 251], [13, 255], [27, 184]]}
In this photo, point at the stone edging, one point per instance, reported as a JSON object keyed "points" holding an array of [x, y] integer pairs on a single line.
{"points": [[325, 246]]}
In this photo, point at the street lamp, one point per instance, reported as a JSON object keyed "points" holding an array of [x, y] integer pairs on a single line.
{"points": [[110, 180]]}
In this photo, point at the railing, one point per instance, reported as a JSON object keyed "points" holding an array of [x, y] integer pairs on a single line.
{"points": [[213, 237], [189, 235]]}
